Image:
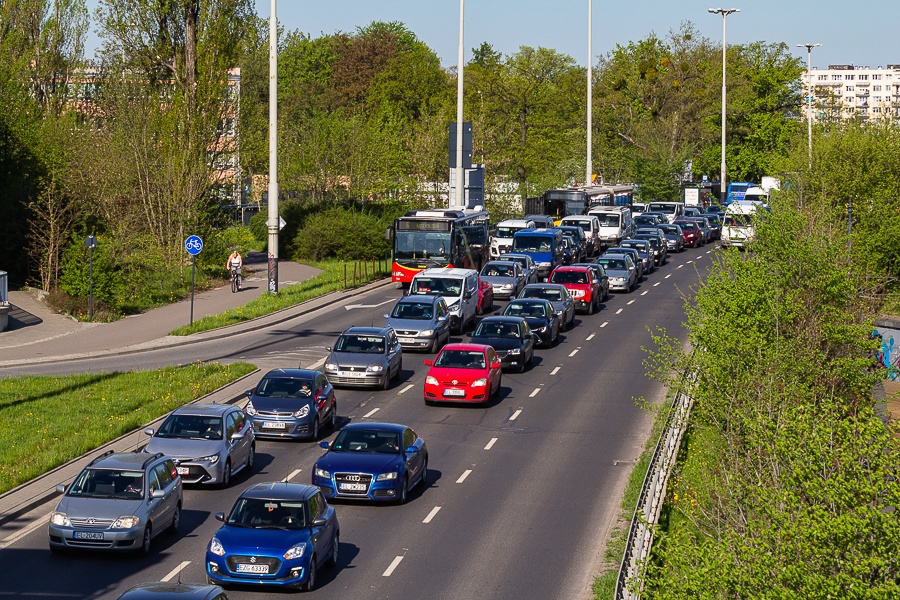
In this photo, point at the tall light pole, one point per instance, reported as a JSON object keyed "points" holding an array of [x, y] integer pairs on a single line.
{"points": [[589, 164], [460, 170], [273, 220], [809, 91], [724, 12]]}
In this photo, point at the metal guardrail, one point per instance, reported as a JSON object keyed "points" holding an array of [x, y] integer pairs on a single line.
{"points": [[4, 288], [630, 584]]}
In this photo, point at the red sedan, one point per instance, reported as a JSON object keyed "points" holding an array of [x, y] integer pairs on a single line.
{"points": [[690, 232], [463, 373]]}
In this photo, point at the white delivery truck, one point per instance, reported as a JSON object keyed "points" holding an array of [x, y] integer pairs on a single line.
{"points": [[502, 239], [738, 224]]}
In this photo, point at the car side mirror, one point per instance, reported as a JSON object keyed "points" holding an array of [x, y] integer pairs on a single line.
{"points": [[441, 319], [237, 436], [428, 362], [156, 494], [386, 316], [412, 450], [319, 522], [220, 516], [467, 295], [149, 431], [61, 488], [248, 393], [325, 445], [495, 364]]}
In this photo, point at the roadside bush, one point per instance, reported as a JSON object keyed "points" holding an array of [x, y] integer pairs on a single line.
{"points": [[75, 279], [219, 244], [342, 233]]}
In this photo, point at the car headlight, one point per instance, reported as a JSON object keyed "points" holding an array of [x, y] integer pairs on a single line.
{"points": [[619, 279], [577, 293], [387, 476], [375, 368], [558, 312], [544, 264], [480, 382], [541, 329], [304, 411], [249, 409], [127, 522], [322, 473], [426, 333], [216, 547], [295, 551], [515, 351], [507, 286], [211, 459], [430, 380], [331, 367], [60, 519]]}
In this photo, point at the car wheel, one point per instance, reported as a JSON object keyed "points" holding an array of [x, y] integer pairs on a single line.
{"points": [[251, 456], [335, 550], [424, 478], [434, 346], [590, 308], [523, 366], [226, 475], [386, 383], [144, 550], [333, 421], [176, 520], [310, 584], [315, 430], [403, 490]]}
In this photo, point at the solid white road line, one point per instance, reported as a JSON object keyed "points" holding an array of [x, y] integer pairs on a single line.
{"points": [[175, 571], [618, 312], [407, 388], [516, 414], [292, 475], [318, 363], [392, 566], [644, 293], [535, 392], [430, 516], [370, 413], [491, 443], [555, 371], [630, 302], [589, 338], [42, 522], [573, 352], [603, 324], [463, 476]]}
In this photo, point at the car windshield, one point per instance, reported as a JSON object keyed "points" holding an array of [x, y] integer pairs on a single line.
{"points": [[436, 286], [367, 440], [507, 232], [663, 207], [259, 513], [109, 483], [496, 329], [544, 293], [569, 277], [413, 310], [636, 245], [360, 344], [284, 387], [461, 359], [737, 220], [688, 226], [523, 262], [532, 243], [498, 270], [613, 263], [608, 219], [192, 427], [670, 229], [514, 309]]}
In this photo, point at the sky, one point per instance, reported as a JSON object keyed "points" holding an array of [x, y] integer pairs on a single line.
{"points": [[861, 36]]}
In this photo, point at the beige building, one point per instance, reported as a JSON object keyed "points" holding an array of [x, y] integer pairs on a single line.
{"points": [[848, 92]]}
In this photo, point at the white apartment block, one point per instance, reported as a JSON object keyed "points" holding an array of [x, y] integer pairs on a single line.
{"points": [[848, 91]]}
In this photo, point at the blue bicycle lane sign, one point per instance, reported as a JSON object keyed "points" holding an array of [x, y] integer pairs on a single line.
{"points": [[193, 245]]}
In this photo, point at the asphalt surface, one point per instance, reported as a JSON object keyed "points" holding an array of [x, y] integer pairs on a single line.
{"points": [[521, 494]]}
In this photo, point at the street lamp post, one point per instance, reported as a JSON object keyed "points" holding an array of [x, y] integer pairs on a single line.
{"points": [[724, 12], [809, 92], [589, 163], [273, 220], [460, 170]]}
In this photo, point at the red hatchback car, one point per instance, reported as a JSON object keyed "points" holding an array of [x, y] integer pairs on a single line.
{"points": [[690, 232], [463, 373], [582, 284]]}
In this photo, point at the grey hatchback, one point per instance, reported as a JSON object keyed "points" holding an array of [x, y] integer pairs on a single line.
{"points": [[118, 502], [420, 322], [292, 403], [209, 442], [365, 356]]}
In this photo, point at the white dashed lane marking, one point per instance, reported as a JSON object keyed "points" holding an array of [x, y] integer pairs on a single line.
{"points": [[406, 389], [370, 413], [491, 443], [464, 475], [679, 266], [431, 515], [392, 566], [294, 474], [669, 275], [534, 393], [618, 312], [603, 324], [555, 371], [171, 575], [590, 337], [630, 302], [657, 283], [515, 415], [573, 352], [644, 293]]}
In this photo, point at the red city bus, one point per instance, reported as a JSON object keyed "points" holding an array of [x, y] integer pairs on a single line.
{"points": [[439, 238]]}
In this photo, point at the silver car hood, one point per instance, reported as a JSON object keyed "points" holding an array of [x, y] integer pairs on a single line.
{"points": [[184, 448], [411, 324], [498, 279], [99, 508], [356, 359]]}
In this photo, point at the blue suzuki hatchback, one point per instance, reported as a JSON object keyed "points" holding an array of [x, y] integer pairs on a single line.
{"points": [[277, 534]]}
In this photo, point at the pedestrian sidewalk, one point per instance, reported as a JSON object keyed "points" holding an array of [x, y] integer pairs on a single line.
{"points": [[38, 334]]}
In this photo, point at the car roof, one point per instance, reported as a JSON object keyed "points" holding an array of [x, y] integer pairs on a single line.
{"points": [[124, 460], [279, 490], [495, 261], [615, 255], [161, 590], [203, 409], [466, 347], [367, 330], [291, 373], [571, 268], [504, 257], [419, 299], [376, 425], [501, 319], [528, 301], [439, 272], [532, 286]]}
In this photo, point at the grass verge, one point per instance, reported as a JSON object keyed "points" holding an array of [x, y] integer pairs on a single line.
{"points": [[53, 419], [336, 276], [604, 586]]}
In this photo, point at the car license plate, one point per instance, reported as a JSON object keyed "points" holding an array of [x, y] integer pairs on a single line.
{"points": [[184, 471], [361, 487], [88, 535], [274, 425], [356, 374], [456, 393], [407, 340], [248, 568]]}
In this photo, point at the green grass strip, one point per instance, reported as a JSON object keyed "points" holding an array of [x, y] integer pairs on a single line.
{"points": [[334, 278], [52, 419]]}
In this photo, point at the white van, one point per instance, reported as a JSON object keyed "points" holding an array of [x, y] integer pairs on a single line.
{"points": [[458, 288], [737, 224], [591, 226], [672, 210], [501, 241], [616, 224]]}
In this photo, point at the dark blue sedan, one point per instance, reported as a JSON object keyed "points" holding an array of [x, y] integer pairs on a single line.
{"points": [[372, 461], [277, 534]]}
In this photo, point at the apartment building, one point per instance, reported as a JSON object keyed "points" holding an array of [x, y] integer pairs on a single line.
{"points": [[853, 92]]}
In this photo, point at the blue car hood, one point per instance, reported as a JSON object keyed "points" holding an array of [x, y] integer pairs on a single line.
{"points": [[364, 462], [274, 542]]}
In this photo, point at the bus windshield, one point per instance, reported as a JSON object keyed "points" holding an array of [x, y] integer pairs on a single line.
{"points": [[422, 245]]}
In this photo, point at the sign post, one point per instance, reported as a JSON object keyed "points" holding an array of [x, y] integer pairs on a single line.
{"points": [[193, 245], [90, 242]]}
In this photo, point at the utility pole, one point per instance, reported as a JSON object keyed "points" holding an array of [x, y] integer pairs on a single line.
{"points": [[724, 12]]}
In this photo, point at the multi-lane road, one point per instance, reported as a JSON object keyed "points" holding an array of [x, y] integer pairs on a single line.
{"points": [[521, 495]]}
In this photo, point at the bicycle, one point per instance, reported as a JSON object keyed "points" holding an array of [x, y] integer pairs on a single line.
{"points": [[235, 279]]}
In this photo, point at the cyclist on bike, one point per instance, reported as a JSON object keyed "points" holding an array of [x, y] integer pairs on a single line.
{"points": [[234, 264]]}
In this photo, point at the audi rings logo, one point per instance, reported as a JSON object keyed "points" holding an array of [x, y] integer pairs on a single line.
{"points": [[253, 559], [353, 478], [91, 521]]}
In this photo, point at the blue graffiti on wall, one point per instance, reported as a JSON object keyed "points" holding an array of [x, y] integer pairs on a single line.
{"points": [[889, 353]]}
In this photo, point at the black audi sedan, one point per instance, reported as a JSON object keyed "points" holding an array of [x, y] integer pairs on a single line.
{"points": [[510, 337]]}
